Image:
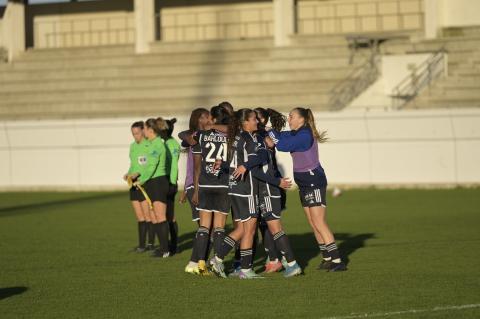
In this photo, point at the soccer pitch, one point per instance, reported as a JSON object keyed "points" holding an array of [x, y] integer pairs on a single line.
{"points": [[410, 254]]}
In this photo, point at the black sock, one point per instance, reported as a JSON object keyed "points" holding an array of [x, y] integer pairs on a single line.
{"points": [[162, 233], [200, 244], [173, 227], [237, 253], [269, 246], [218, 236], [227, 244], [254, 245], [150, 233], [246, 260], [283, 244], [333, 252], [324, 251], [209, 246], [142, 234]]}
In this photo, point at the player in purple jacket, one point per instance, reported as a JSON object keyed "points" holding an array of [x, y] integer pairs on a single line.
{"points": [[302, 143]]}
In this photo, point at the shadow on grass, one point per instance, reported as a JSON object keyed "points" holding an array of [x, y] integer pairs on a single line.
{"points": [[185, 241], [305, 247], [11, 291], [36, 207]]}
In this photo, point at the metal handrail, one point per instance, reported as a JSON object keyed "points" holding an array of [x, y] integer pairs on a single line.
{"points": [[427, 72], [354, 84]]}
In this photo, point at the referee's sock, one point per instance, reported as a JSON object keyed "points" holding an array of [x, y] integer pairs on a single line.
{"points": [[142, 234], [150, 234], [324, 251], [218, 238], [283, 244], [201, 242], [173, 227], [333, 252], [227, 245], [162, 233]]}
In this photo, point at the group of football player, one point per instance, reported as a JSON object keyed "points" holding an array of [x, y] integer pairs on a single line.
{"points": [[231, 167]]}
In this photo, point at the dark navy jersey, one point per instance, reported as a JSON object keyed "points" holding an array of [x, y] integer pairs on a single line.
{"points": [[212, 146], [269, 168], [261, 135], [245, 148]]}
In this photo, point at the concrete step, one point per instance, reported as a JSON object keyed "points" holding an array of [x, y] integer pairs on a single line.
{"points": [[443, 103], [78, 52], [207, 70], [133, 62], [122, 107], [278, 78], [211, 45], [101, 94], [158, 78]]}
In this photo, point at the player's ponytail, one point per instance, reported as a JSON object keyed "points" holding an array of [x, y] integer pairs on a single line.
{"points": [[307, 114], [234, 127], [170, 127], [277, 119]]}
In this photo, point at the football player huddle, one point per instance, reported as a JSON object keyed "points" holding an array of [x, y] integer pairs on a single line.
{"points": [[231, 169]]}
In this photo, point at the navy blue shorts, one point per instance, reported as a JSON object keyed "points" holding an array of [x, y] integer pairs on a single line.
{"points": [[313, 196]]}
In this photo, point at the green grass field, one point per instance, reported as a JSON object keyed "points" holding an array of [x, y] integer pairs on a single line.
{"points": [[410, 253]]}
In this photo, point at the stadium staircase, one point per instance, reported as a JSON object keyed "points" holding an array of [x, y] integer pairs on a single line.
{"points": [[174, 78], [461, 88]]}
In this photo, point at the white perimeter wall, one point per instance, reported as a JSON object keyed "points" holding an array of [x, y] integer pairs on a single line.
{"points": [[375, 148]]}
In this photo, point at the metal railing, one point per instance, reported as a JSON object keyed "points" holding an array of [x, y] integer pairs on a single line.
{"points": [[420, 78], [354, 84], [331, 17]]}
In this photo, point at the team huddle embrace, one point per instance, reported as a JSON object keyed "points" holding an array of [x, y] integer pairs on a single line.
{"points": [[231, 168]]}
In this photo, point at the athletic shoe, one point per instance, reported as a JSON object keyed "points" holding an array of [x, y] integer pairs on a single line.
{"points": [[273, 266], [158, 254], [202, 268], [192, 269], [235, 273], [324, 265], [249, 274], [217, 267], [284, 262], [291, 271], [337, 267]]}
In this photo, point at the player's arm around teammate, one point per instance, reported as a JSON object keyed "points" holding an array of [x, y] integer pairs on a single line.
{"points": [[302, 143], [210, 187]]}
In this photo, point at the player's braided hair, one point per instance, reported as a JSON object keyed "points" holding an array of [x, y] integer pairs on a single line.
{"points": [[307, 114]]}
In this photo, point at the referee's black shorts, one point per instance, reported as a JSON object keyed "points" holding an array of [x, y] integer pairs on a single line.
{"points": [[136, 195], [157, 189]]}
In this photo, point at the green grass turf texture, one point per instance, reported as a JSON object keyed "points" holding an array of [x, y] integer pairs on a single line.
{"points": [[67, 255]]}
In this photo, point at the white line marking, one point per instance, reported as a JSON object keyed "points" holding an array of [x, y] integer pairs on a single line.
{"points": [[404, 312]]}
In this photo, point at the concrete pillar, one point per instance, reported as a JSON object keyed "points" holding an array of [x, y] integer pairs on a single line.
{"points": [[14, 28], [284, 21], [433, 18], [144, 11]]}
